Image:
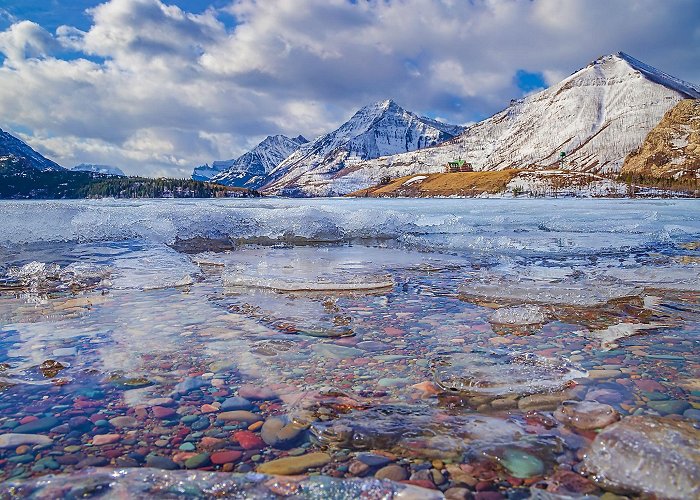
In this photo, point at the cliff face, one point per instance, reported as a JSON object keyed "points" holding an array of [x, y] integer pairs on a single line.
{"points": [[672, 148]]}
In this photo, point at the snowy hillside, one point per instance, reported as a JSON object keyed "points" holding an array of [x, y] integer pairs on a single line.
{"points": [[11, 146], [380, 129], [250, 169], [597, 116], [98, 169]]}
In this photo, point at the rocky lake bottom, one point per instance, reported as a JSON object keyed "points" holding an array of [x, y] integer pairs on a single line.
{"points": [[484, 349]]}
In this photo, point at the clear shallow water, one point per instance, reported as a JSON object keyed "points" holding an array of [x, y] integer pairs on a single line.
{"points": [[407, 328]]}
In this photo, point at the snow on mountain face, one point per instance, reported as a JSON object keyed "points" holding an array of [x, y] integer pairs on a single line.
{"points": [[204, 172], [597, 116], [99, 169], [250, 169], [11, 146], [380, 129]]}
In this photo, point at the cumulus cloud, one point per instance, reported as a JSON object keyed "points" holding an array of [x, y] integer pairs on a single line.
{"points": [[25, 39], [156, 90]]}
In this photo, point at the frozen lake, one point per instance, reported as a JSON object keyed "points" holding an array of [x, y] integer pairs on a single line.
{"points": [[438, 337]]}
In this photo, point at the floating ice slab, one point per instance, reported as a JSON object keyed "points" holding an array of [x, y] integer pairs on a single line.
{"points": [[499, 373], [523, 315]]}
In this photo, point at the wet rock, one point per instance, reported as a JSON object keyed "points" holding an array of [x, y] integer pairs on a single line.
{"points": [[13, 440], [541, 401], [567, 482], [248, 440], [254, 393], [40, 425], [521, 464], [102, 439], [651, 455], [334, 351], [692, 414], [239, 416], [189, 384], [373, 346], [358, 468], [225, 457], [160, 402], [79, 423], [50, 368], [457, 494], [236, 403], [280, 433], [92, 462], [671, 406], [119, 422], [159, 462], [586, 415], [373, 460], [294, 465], [163, 413], [608, 396], [197, 461], [392, 472]]}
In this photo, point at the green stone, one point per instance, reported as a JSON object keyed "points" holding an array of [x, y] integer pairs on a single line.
{"points": [[21, 459], [655, 396], [671, 406], [187, 447], [521, 464], [197, 461]]}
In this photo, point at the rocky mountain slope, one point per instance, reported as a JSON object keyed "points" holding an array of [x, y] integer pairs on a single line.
{"points": [[380, 129], [250, 169], [12, 146], [596, 116], [672, 148]]}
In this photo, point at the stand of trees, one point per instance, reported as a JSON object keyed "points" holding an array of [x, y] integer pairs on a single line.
{"points": [[18, 180]]}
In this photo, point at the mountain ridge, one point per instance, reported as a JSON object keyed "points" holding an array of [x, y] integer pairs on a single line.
{"points": [[12, 146], [596, 116], [375, 130]]}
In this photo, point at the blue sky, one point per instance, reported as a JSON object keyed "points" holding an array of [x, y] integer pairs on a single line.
{"points": [[159, 86]]}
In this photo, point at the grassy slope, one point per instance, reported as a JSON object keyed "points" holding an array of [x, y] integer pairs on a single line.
{"points": [[458, 183]]}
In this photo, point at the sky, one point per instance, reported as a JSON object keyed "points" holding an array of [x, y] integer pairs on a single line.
{"points": [[157, 87]]}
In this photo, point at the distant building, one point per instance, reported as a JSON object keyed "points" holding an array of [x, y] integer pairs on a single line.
{"points": [[458, 166]]}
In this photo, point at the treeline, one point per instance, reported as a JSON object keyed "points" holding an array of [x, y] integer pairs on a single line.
{"points": [[18, 180]]}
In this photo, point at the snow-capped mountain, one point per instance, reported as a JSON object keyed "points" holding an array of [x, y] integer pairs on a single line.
{"points": [[380, 129], [11, 146], [205, 172], [250, 169], [596, 116], [99, 169]]}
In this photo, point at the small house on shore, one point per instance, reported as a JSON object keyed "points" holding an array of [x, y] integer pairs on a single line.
{"points": [[458, 166]]}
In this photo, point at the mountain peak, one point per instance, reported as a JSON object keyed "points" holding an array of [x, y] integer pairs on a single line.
{"points": [[652, 74], [12, 146]]}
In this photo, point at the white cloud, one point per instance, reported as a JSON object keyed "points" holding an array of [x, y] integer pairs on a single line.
{"points": [[154, 89], [25, 39]]}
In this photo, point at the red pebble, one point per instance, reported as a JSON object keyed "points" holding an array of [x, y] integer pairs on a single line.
{"points": [[27, 419], [248, 440], [393, 332], [162, 412], [225, 457], [649, 385]]}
